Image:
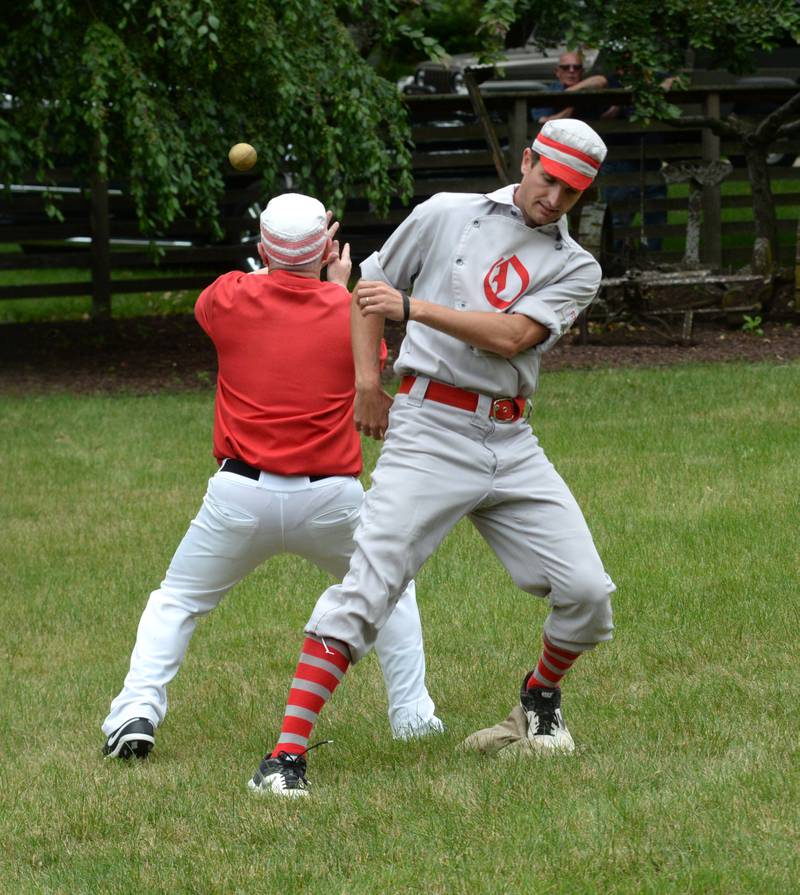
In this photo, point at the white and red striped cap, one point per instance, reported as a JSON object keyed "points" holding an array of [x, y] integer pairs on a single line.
{"points": [[294, 229], [570, 150]]}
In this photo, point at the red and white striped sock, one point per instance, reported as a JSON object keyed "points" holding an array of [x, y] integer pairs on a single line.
{"points": [[321, 666], [554, 663]]}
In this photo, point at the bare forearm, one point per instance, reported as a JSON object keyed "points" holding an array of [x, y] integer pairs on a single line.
{"points": [[593, 82], [502, 334], [366, 334], [564, 113]]}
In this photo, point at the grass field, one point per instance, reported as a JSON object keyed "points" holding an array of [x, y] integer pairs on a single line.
{"points": [[686, 777], [134, 304]]}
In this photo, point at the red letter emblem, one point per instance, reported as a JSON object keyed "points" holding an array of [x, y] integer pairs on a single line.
{"points": [[496, 280]]}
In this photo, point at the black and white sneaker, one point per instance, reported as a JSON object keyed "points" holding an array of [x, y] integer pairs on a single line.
{"points": [[134, 739], [547, 732], [283, 775]]}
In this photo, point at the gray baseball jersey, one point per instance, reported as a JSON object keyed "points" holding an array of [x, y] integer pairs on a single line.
{"points": [[474, 252]]}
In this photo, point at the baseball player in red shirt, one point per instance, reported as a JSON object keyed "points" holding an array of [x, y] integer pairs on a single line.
{"points": [[496, 281], [289, 458]]}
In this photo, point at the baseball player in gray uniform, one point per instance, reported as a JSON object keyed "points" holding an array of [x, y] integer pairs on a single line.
{"points": [[496, 281]]}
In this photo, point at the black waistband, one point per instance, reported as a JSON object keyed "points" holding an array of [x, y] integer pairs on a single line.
{"points": [[250, 472]]}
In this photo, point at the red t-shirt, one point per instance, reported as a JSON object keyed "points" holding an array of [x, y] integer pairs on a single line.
{"points": [[286, 379]]}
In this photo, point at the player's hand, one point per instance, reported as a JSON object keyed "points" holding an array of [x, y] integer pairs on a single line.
{"points": [[371, 412], [339, 264], [375, 297], [333, 226]]}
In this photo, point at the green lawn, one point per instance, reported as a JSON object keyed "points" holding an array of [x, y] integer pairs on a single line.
{"points": [[686, 778], [78, 307], [38, 310]]}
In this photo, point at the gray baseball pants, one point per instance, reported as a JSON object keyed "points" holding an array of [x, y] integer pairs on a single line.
{"points": [[439, 464]]}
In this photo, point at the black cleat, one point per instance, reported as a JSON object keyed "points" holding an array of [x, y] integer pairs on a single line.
{"points": [[283, 775], [547, 731], [134, 739]]}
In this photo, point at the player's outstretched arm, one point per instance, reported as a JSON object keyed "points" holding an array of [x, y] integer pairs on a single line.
{"points": [[503, 334], [371, 405]]}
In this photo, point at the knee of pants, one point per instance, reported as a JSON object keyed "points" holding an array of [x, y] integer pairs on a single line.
{"points": [[585, 602], [164, 600], [580, 604]]}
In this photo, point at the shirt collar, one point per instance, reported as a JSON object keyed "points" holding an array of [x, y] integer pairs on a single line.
{"points": [[505, 196]]}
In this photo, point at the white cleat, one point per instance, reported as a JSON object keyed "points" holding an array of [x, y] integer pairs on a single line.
{"points": [[547, 732], [409, 731]]}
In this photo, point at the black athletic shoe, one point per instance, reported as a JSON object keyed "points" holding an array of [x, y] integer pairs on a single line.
{"points": [[547, 731], [283, 775], [134, 739]]}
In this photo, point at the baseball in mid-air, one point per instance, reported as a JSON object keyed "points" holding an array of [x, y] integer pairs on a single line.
{"points": [[242, 156]]}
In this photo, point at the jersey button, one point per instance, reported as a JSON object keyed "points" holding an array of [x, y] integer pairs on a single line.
{"points": [[476, 225], [459, 261]]}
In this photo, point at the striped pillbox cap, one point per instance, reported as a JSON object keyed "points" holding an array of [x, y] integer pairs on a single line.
{"points": [[570, 150], [294, 229]]}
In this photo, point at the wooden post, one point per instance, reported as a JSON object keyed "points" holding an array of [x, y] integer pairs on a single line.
{"points": [[712, 206], [479, 108], [101, 257], [797, 268], [517, 135]]}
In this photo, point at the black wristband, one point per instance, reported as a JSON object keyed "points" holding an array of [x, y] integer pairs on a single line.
{"points": [[406, 307]]}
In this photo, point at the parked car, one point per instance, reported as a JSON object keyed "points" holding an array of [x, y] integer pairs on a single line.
{"points": [[521, 68]]}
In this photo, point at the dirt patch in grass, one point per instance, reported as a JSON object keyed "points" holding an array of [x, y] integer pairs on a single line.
{"points": [[150, 354]]}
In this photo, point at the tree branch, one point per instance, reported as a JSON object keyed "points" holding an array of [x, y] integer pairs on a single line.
{"points": [[768, 129], [788, 130], [716, 125]]}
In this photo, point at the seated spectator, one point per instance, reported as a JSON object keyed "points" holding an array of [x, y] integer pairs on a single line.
{"points": [[570, 77]]}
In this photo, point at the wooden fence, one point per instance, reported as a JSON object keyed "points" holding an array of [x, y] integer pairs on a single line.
{"points": [[98, 233]]}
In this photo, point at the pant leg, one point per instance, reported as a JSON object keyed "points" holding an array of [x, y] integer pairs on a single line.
{"points": [[324, 535], [400, 651], [534, 524], [434, 468], [219, 549]]}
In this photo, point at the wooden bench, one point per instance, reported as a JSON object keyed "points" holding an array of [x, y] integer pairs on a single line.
{"points": [[657, 297]]}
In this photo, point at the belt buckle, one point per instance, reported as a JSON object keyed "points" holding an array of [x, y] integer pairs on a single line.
{"points": [[504, 410]]}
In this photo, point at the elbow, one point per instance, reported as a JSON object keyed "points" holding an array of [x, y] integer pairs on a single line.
{"points": [[519, 340], [509, 348]]}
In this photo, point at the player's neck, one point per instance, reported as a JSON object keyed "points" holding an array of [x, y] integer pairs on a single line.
{"points": [[308, 274]]}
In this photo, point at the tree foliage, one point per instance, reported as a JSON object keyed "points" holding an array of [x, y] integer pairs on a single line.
{"points": [[156, 91], [646, 39]]}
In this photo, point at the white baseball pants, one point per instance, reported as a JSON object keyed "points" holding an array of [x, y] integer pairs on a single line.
{"points": [[439, 464], [242, 523]]}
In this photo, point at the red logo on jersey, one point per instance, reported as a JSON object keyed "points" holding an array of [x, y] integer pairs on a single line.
{"points": [[496, 280]]}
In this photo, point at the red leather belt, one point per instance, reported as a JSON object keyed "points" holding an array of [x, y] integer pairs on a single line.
{"points": [[504, 410]]}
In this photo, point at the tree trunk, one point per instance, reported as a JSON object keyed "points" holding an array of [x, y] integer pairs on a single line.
{"points": [[100, 254], [763, 203]]}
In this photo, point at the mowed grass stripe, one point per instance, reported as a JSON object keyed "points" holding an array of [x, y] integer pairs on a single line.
{"points": [[686, 775]]}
